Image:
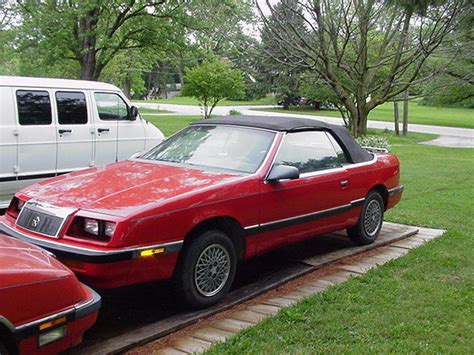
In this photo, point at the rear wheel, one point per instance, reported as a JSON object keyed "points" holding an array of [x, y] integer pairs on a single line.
{"points": [[207, 269], [370, 221]]}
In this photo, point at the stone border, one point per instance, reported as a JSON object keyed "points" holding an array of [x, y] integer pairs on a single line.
{"points": [[203, 338]]}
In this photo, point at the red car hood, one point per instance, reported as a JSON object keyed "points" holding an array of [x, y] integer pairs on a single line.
{"points": [[34, 284], [123, 187], [22, 263]]}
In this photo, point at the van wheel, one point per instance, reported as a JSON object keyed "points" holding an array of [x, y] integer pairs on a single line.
{"points": [[370, 221], [207, 269]]}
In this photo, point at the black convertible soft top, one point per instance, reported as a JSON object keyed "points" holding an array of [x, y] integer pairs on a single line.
{"points": [[291, 124]]}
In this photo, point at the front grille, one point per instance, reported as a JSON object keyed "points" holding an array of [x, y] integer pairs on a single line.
{"points": [[39, 222]]}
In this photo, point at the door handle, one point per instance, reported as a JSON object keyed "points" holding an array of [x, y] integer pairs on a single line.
{"points": [[344, 183], [62, 131], [101, 130]]}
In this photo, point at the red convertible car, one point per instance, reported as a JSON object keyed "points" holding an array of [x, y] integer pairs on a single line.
{"points": [[217, 192], [43, 308]]}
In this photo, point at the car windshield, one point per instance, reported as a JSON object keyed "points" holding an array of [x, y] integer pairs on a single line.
{"points": [[218, 147]]}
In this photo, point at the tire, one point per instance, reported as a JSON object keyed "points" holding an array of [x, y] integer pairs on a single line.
{"points": [[370, 221], [206, 269], [3, 349]]}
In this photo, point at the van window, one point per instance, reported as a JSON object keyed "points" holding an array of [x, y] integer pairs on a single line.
{"points": [[72, 107], [34, 107], [111, 107]]}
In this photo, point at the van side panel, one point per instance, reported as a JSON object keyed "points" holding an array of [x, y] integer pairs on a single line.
{"points": [[37, 145], [8, 147]]}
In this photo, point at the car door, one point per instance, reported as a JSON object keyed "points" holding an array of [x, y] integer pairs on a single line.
{"points": [[117, 135], [315, 202], [74, 131], [36, 135]]}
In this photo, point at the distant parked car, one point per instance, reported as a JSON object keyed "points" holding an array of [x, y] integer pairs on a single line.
{"points": [[217, 192], [43, 308], [50, 127]]}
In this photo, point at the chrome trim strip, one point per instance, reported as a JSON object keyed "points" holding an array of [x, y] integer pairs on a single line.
{"points": [[323, 172], [396, 190], [76, 312], [61, 212], [358, 201], [356, 165], [253, 229], [89, 252], [304, 215]]}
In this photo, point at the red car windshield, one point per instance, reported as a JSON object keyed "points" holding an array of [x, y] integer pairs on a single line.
{"points": [[218, 147]]}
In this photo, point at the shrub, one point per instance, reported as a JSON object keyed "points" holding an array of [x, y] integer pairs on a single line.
{"points": [[234, 113], [373, 142]]}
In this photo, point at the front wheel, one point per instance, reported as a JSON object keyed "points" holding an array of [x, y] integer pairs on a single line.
{"points": [[207, 269], [3, 349], [370, 221]]}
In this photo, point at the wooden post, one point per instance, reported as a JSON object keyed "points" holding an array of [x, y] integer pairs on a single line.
{"points": [[396, 116], [405, 112]]}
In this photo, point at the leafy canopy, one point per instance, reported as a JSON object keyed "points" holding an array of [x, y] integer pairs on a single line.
{"points": [[211, 82]]}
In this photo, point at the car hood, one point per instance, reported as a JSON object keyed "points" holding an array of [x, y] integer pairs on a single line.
{"points": [[33, 284], [123, 188], [22, 263]]}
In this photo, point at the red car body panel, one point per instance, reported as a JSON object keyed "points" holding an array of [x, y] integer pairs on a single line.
{"points": [[158, 205], [36, 286]]}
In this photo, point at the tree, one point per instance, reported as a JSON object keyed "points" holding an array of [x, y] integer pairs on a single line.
{"points": [[285, 78], [368, 51], [211, 82], [453, 65], [93, 32]]}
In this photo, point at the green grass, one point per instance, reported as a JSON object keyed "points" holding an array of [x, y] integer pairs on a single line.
{"points": [[428, 115], [170, 124], [184, 100], [420, 303]]}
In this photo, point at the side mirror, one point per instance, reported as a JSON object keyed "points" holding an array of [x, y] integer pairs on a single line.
{"points": [[133, 113], [135, 155], [283, 172]]}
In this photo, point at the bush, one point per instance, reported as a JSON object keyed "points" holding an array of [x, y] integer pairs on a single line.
{"points": [[234, 113], [373, 142]]}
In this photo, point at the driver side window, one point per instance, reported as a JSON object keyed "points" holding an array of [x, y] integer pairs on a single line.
{"points": [[308, 151], [111, 107]]}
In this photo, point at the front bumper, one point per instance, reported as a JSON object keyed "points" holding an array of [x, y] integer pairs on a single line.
{"points": [[72, 314], [85, 254]]}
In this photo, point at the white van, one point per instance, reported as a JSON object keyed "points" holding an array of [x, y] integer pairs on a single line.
{"points": [[54, 126]]}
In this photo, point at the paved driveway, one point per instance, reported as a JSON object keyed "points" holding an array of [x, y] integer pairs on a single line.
{"points": [[448, 136]]}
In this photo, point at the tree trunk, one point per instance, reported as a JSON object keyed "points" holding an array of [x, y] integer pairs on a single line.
{"points": [[405, 112], [87, 58], [362, 124], [396, 116], [127, 88]]}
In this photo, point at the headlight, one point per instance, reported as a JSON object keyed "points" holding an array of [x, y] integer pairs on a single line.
{"points": [[83, 227], [109, 229], [91, 226], [21, 203]]}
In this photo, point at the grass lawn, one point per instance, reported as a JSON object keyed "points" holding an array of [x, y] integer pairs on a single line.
{"points": [[170, 124], [428, 115], [420, 303], [184, 100]]}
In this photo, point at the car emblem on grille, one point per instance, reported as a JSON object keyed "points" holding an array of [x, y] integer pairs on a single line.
{"points": [[35, 221]]}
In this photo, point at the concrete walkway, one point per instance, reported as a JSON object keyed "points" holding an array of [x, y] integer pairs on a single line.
{"points": [[448, 136]]}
